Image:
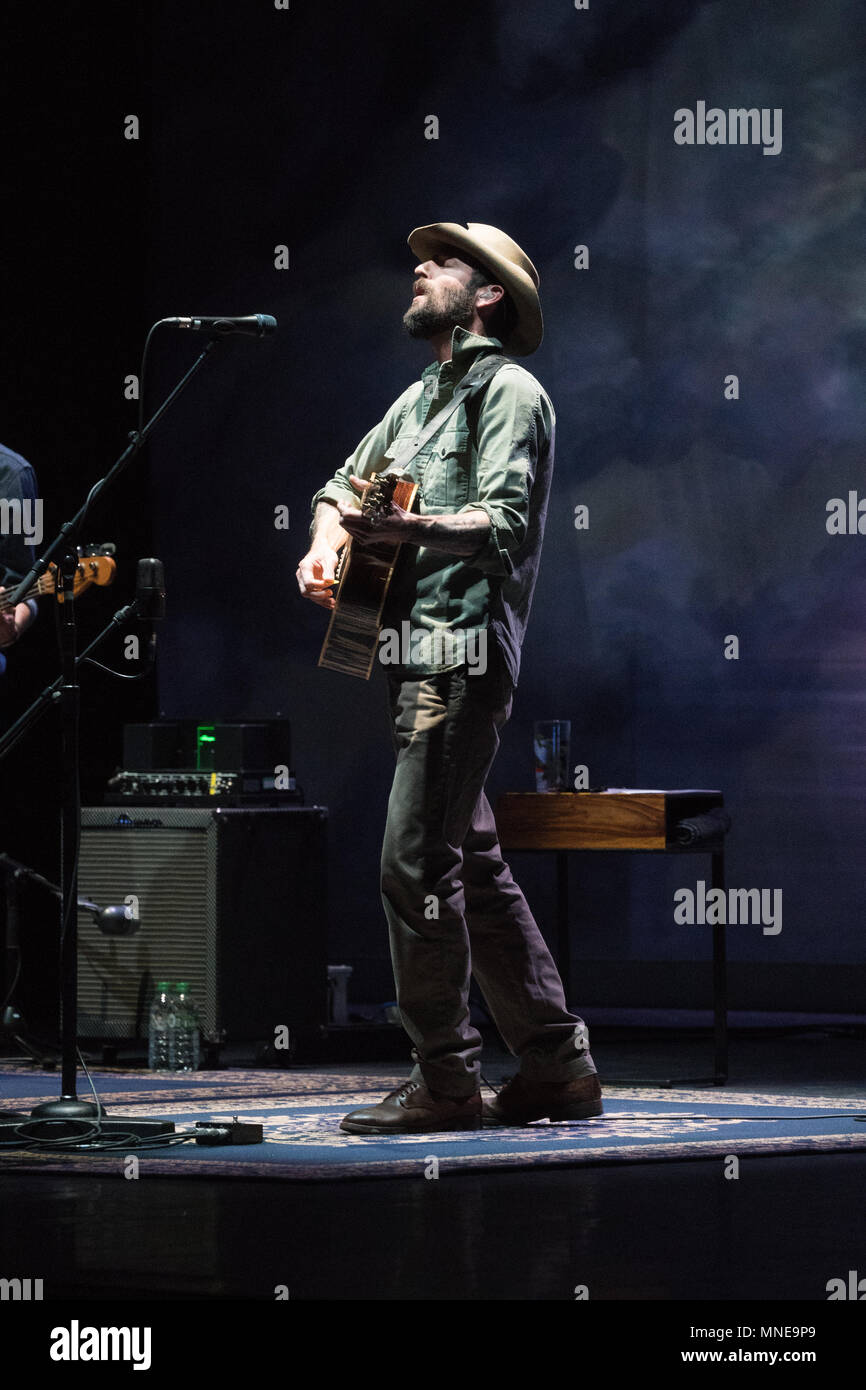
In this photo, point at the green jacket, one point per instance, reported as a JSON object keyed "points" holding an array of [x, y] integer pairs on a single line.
{"points": [[495, 454]]}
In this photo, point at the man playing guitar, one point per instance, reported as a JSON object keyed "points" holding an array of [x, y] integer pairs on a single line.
{"points": [[466, 568]]}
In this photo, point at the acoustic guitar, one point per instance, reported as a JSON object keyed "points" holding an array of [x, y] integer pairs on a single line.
{"points": [[363, 577]]}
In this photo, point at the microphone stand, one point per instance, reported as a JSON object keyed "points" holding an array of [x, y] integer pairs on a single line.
{"points": [[49, 695], [17, 873], [64, 1115], [10, 1020]]}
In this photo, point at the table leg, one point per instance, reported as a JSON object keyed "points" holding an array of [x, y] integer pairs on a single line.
{"points": [[720, 978], [563, 932]]}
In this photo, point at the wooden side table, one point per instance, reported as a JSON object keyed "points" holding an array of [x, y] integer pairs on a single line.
{"points": [[629, 821]]}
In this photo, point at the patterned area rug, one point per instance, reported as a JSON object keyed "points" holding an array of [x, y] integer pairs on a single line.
{"points": [[300, 1114]]}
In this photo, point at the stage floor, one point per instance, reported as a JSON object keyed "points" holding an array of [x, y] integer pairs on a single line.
{"points": [[299, 1114], [635, 1230]]}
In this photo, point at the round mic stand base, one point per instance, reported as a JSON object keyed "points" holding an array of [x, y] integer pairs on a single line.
{"points": [[66, 1108], [61, 1119]]}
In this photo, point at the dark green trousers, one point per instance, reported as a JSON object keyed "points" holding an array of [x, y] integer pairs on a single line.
{"points": [[452, 906]]}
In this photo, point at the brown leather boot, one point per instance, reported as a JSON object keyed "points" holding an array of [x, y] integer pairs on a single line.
{"points": [[521, 1101], [413, 1109]]}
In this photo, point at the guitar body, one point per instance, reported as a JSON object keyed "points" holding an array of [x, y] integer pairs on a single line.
{"points": [[363, 578]]}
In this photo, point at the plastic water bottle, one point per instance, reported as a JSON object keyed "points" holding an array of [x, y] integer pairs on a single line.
{"points": [[162, 1029], [187, 1047]]}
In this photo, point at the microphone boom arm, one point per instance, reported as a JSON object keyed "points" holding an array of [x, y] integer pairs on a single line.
{"points": [[136, 439]]}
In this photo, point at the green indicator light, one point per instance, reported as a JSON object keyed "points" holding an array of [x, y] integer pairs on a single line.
{"points": [[205, 738]]}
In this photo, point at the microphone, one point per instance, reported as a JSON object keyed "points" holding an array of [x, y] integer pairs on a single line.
{"points": [[149, 602], [223, 325], [117, 920]]}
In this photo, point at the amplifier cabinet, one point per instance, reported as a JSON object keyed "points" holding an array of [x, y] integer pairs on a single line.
{"points": [[231, 900]]}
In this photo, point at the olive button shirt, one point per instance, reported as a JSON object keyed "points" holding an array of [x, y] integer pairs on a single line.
{"points": [[495, 454]]}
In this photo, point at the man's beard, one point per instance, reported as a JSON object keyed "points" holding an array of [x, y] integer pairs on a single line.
{"points": [[452, 307]]}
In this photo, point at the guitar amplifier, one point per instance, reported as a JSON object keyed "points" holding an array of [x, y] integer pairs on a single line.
{"points": [[183, 787], [231, 900]]}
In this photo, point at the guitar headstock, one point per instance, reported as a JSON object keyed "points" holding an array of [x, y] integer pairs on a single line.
{"points": [[92, 569], [380, 494]]}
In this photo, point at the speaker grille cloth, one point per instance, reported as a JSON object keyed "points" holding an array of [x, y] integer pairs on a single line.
{"points": [[168, 871]]}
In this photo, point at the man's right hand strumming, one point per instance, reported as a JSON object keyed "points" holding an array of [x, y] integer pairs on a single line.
{"points": [[13, 625], [315, 573]]}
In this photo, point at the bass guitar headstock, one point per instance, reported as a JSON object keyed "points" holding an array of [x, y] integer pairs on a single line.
{"points": [[91, 569]]}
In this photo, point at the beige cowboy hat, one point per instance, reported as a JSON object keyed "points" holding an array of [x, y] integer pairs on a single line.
{"points": [[511, 267]]}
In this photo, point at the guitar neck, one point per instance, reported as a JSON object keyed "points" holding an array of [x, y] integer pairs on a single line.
{"points": [[35, 591]]}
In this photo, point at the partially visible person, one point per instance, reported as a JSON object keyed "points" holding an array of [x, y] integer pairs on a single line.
{"points": [[17, 482]]}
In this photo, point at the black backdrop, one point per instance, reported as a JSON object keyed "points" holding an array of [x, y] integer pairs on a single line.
{"points": [[305, 127]]}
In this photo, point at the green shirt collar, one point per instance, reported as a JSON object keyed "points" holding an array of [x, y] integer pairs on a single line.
{"points": [[465, 347]]}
